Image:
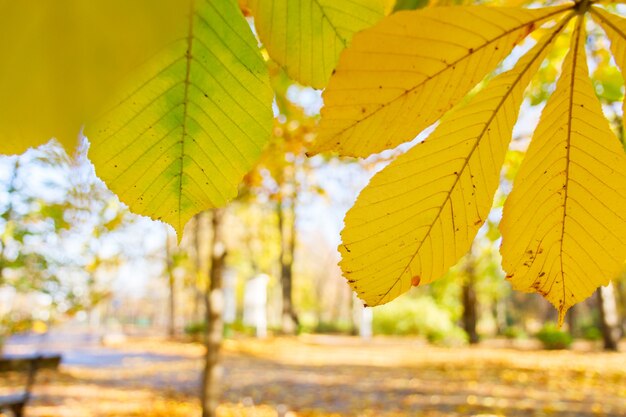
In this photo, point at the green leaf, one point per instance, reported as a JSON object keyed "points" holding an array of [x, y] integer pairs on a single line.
{"points": [[191, 123], [307, 36]]}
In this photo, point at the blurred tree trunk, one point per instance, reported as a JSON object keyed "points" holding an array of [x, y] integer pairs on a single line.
{"points": [[211, 376], [171, 284], [571, 321], [609, 321], [621, 296], [469, 299], [500, 313], [354, 324], [287, 214], [197, 248]]}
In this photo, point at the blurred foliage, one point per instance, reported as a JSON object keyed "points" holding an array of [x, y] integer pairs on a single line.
{"points": [[54, 219], [514, 333], [543, 83], [417, 316], [409, 4], [333, 327], [16, 322], [554, 338], [607, 79], [591, 332], [195, 328]]}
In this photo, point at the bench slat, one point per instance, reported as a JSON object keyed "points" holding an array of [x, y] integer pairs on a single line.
{"points": [[13, 399], [24, 363]]}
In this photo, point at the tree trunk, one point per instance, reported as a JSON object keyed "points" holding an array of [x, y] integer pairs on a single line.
{"points": [[609, 322], [210, 394], [287, 249], [621, 296], [469, 300], [571, 321], [198, 293], [500, 314], [171, 283]]}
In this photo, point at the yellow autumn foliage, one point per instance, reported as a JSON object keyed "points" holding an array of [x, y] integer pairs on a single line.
{"points": [[434, 198], [62, 58], [403, 74], [563, 227]]}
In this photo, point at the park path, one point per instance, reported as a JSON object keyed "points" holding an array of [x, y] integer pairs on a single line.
{"points": [[339, 376]]}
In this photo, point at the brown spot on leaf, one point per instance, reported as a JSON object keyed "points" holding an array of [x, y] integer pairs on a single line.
{"points": [[415, 281]]}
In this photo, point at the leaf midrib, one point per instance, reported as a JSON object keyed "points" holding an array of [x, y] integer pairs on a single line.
{"points": [[577, 34], [189, 59]]}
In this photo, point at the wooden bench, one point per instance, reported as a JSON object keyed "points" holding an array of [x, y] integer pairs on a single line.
{"points": [[28, 365]]}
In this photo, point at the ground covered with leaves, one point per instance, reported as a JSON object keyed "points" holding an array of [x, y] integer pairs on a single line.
{"points": [[336, 376]]}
